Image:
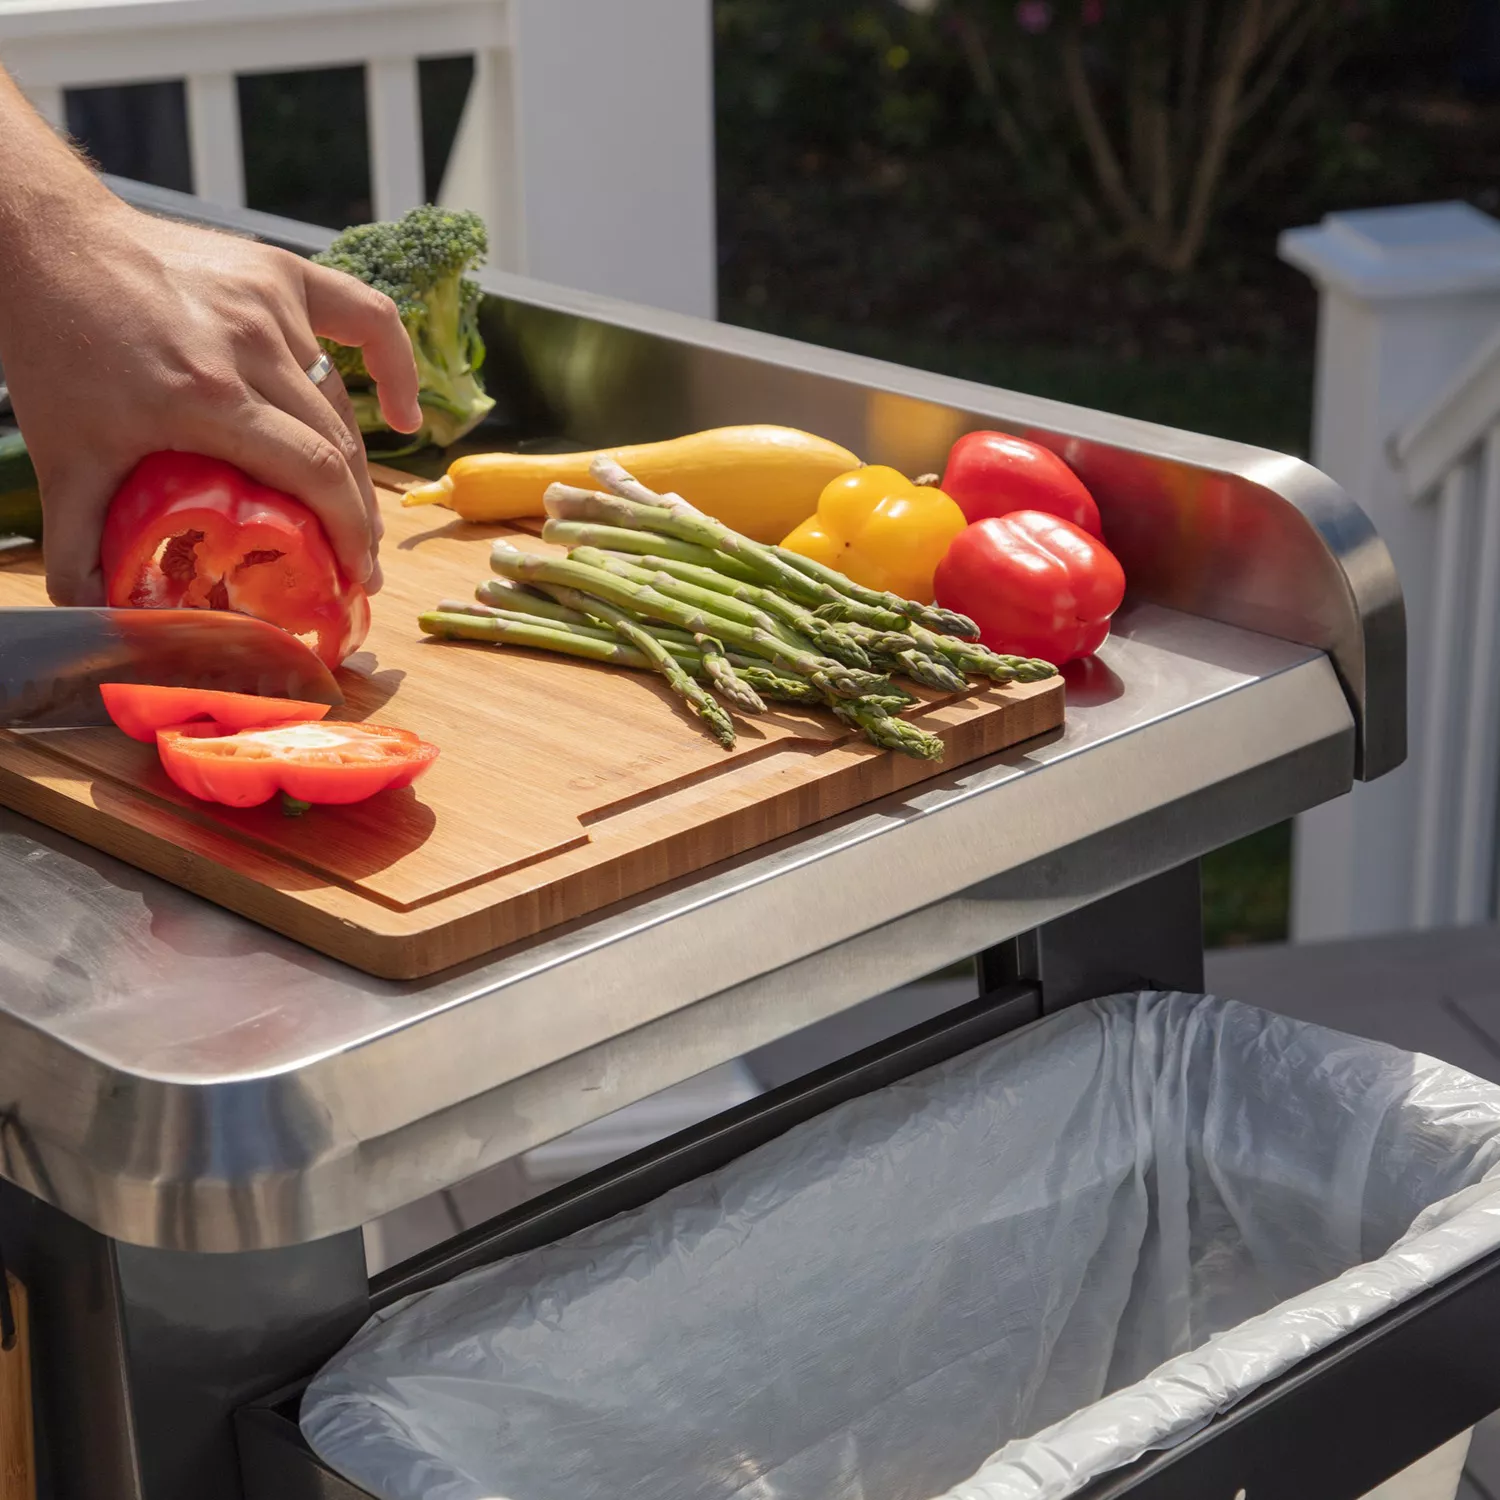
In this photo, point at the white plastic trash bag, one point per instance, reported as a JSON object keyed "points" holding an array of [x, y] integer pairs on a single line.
{"points": [[992, 1281]]}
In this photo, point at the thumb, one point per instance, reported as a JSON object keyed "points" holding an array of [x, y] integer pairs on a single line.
{"points": [[73, 507]]}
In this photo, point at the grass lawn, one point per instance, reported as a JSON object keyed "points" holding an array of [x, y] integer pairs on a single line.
{"points": [[1249, 398]]}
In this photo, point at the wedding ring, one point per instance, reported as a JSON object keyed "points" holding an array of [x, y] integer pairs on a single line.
{"points": [[320, 369]]}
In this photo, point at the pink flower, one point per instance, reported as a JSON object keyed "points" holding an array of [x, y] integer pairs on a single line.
{"points": [[1034, 16], [1093, 12]]}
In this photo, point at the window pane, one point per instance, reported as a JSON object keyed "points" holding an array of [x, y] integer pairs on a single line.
{"points": [[136, 130]]}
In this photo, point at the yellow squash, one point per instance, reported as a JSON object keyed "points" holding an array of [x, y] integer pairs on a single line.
{"points": [[760, 480]]}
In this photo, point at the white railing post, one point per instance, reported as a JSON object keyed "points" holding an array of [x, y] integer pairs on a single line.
{"points": [[214, 143], [594, 148], [1438, 700], [1478, 782], [393, 108], [483, 171], [1407, 296]]}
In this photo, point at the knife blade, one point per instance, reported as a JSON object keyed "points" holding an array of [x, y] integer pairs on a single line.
{"points": [[52, 660]]}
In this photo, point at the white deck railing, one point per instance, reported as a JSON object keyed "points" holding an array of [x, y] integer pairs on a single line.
{"points": [[1408, 421], [584, 115], [1449, 457]]}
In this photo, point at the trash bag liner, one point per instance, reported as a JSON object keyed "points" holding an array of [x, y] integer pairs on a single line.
{"points": [[994, 1280]]}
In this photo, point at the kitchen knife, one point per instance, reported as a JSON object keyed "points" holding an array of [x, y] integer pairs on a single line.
{"points": [[52, 660]]}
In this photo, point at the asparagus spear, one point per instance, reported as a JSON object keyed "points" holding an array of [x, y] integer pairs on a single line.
{"points": [[724, 677], [518, 600], [778, 686], [890, 733], [572, 534], [622, 593], [943, 621], [836, 641], [630, 630], [679, 642], [911, 656], [565, 502], [931, 671], [870, 714], [591, 642], [527, 603], [970, 656], [618, 481], [566, 640], [754, 671], [744, 601], [712, 600], [841, 611]]}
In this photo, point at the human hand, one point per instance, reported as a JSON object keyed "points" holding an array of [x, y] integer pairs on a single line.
{"points": [[129, 334]]}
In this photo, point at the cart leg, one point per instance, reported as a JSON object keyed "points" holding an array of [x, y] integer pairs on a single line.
{"points": [[1146, 937], [140, 1357]]}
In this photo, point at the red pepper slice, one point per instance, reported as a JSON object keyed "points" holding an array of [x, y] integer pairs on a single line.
{"points": [[188, 532], [1036, 585], [995, 474], [141, 710], [309, 762]]}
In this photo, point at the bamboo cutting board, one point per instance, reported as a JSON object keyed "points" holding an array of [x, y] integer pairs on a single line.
{"points": [[562, 786]]}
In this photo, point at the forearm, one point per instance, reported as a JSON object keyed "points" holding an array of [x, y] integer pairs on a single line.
{"points": [[49, 201]]}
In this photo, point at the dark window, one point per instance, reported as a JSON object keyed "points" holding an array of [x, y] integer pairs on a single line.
{"points": [[445, 83], [306, 151], [136, 130]]}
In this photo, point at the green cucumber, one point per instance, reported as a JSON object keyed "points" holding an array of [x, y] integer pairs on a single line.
{"points": [[16, 472], [20, 498]]}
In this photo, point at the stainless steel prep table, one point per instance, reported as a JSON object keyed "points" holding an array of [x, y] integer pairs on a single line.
{"points": [[197, 1116]]}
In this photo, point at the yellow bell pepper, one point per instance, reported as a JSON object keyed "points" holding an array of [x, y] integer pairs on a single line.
{"points": [[878, 528]]}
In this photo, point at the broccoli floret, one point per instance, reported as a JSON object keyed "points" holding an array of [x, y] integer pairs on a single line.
{"points": [[419, 262]]}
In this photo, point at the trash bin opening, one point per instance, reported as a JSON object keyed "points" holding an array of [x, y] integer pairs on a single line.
{"points": [[1031, 1239]]}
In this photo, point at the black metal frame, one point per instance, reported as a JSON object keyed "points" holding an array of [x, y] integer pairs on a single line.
{"points": [[1348, 1418]]}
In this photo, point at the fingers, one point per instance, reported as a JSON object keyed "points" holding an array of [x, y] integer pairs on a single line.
{"points": [[349, 312], [327, 410], [76, 502], [284, 451]]}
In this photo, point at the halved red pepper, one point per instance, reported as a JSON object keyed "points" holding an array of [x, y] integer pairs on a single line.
{"points": [[307, 762], [140, 710], [1036, 585], [188, 532], [995, 474]]}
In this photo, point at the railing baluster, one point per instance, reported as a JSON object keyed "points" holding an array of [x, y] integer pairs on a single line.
{"points": [[483, 171], [213, 120], [1438, 734], [1479, 775], [393, 103]]}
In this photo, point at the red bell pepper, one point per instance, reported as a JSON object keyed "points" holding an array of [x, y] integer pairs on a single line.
{"points": [[188, 532], [1035, 584], [141, 710], [316, 763], [994, 474]]}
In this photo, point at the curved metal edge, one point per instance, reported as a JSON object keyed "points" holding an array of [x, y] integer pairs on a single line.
{"points": [[274, 1160], [1220, 529]]}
